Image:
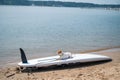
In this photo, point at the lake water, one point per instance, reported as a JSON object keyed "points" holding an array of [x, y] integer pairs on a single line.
{"points": [[41, 31]]}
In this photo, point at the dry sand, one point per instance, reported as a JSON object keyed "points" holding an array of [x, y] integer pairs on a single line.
{"points": [[89, 71]]}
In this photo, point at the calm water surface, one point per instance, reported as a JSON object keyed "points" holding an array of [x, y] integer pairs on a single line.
{"points": [[41, 31]]}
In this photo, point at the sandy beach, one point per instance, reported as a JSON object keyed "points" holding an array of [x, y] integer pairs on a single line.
{"points": [[90, 71]]}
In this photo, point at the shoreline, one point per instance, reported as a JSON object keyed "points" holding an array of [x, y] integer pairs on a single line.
{"points": [[11, 63], [101, 49], [103, 71]]}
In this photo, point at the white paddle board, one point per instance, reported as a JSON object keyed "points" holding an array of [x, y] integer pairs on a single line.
{"points": [[54, 60]]}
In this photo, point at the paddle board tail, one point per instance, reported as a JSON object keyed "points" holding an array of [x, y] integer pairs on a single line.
{"points": [[23, 56]]}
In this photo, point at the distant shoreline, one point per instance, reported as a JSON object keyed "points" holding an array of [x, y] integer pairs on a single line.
{"points": [[59, 4], [114, 9]]}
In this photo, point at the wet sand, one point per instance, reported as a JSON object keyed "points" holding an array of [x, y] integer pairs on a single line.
{"points": [[90, 71]]}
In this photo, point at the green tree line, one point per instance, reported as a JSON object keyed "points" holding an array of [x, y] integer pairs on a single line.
{"points": [[56, 4]]}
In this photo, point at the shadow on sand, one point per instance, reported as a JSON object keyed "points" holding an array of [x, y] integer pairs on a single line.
{"points": [[64, 66]]}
